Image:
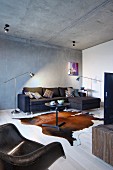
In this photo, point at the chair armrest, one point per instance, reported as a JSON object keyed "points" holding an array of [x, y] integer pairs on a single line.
{"points": [[41, 158], [24, 102]]}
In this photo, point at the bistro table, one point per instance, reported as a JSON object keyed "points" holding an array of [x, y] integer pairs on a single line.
{"points": [[57, 107]]}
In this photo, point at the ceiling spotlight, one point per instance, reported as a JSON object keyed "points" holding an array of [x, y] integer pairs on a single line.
{"points": [[73, 43], [6, 28], [6, 25]]}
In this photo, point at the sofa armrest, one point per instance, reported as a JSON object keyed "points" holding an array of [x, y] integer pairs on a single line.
{"points": [[24, 102], [81, 94]]}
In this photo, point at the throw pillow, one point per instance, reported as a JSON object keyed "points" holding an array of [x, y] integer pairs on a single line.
{"points": [[37, 95], [48, 93], [29, 94], [69, 92], [76, 92]]}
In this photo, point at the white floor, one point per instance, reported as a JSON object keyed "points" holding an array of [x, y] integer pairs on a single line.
{"points": [[78, 157]]}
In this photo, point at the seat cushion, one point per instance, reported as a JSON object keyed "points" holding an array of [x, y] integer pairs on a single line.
{"points": [[84, 100], [45, 100], [84, 103]]}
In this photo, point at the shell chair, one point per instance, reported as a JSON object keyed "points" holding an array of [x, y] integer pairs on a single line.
{"points": [[19, 153]]}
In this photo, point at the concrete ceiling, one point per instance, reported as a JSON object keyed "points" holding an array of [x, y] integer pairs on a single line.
{"points": [[58, 22]]}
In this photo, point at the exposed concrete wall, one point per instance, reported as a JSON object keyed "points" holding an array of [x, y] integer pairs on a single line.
{"points": [[50, 66]]}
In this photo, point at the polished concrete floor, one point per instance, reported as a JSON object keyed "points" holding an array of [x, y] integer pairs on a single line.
{"points": [[78, 157]]}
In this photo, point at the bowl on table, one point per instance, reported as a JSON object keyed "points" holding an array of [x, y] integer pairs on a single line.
{"points": [[60, 101], [52, 103]]}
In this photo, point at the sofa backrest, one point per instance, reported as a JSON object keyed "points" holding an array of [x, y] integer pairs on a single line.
{"points": [[33, 89], [57, 91], [62, 91]]}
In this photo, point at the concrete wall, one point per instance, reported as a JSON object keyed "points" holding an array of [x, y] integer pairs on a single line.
{"points": [[49, 64], [96, 61]]}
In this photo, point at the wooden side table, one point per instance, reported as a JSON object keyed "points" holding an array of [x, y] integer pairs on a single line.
{"points": [[102, 142]]}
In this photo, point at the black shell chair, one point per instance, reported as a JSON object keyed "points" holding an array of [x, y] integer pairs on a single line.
{"points": [[19, 153]]}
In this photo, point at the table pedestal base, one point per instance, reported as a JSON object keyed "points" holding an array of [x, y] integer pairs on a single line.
{"points": [[54, 126], [56, 106]]}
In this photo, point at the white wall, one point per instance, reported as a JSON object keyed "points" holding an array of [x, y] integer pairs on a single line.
{"points": [[96, 61]]}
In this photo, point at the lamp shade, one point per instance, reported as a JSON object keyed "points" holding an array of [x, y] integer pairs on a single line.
{"points": [[31, 74], [78, 78]]}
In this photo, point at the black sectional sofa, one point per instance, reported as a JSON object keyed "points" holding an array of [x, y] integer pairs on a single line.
{"points": [[81, 102], [32, 105]]}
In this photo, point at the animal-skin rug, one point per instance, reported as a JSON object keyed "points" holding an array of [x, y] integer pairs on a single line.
{"points": [[73, 122]]}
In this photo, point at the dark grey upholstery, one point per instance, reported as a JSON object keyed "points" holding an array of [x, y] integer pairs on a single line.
{"points": [[84, 103], [80, 101], [19, 153], [33, 89], [62, 91], [33, 105]]}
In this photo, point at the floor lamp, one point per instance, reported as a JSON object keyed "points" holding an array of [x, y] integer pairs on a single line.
{"points": [[78, 78], [14, 78]]}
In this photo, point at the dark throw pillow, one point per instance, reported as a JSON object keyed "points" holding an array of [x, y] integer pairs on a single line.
{"points": [[76, 92]]}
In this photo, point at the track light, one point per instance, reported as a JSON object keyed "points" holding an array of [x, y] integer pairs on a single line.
{"points": [[6, 28]]}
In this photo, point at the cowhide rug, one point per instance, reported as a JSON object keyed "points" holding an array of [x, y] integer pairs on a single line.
{"points": [[73, 122]]}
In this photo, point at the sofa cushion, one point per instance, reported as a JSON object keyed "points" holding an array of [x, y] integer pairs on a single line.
{"points": [[69, 92], [84, 103], [76, 92], [48, 93], [33, 89], [62, 91], [40, 101], [55, 91], [46, 100], [84, 100]]}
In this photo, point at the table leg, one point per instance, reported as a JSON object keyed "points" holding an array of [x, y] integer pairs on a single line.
{"points": [[57, 125], [56, 116]]}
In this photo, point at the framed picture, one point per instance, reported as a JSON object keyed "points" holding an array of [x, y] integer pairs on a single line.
{"points": [[72, 69]]}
